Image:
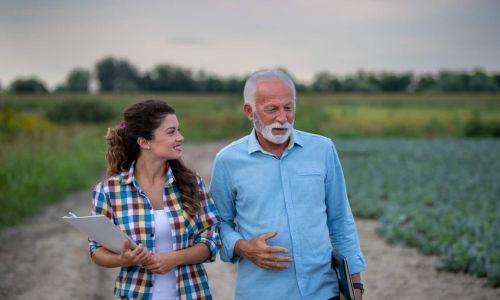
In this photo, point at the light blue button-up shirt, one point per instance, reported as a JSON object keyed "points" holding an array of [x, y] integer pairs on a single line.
{"points": [[302, 196]]}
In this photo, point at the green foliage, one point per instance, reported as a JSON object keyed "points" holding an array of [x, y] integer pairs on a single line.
{"points": [[476, 127], [440, 196], [346, 115], [444, 81], [34, 175], [81, 111], [14, 123], [117, 75], [78, 81], [28, 86]]}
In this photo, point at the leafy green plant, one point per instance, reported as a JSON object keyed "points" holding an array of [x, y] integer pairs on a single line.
{"points": [[440, 196], [81, 111]]}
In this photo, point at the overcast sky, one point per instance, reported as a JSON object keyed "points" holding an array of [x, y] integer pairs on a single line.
{"points": [[233, 37]]}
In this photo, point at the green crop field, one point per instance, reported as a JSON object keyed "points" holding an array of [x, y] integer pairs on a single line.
{"points": [[441, 196], [425, 165]]}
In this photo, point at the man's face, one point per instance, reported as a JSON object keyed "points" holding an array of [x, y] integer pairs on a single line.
{"points": [[274, 112]]}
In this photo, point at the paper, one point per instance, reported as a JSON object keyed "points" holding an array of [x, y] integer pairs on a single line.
{"points": [[100, 229], [341, 267]]}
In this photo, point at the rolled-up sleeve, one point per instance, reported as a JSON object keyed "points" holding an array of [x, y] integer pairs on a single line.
{"points": [[224, 199], [208, 222], [100, 206], [341, 224]]}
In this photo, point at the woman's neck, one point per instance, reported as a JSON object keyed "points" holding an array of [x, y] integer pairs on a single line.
{"points": [[150, 171]]}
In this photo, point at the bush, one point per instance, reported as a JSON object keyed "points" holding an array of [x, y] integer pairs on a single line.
{"points": [[15, 123], [28, 86], [476, 127], [81, 111]]}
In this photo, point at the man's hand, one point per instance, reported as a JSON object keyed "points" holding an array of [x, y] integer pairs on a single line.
{"points": [[358, 294], [261, 254]]}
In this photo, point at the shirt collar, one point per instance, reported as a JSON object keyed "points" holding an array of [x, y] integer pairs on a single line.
{"points": [[127, 177], [254, 145]]}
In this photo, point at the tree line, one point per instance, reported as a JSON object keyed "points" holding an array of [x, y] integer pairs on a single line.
{"points": [[119, 75]]}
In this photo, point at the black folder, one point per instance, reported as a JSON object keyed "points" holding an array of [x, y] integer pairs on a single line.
{"points": [[341, 268]]}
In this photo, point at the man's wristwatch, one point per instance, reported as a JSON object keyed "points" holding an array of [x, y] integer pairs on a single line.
{"points": [[359, 286]]}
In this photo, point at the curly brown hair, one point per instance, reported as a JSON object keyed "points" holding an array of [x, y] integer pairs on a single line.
{"points": [[141, 120]]}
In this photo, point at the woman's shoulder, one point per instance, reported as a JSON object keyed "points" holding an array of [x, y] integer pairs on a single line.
{"points": [[111, 182]]}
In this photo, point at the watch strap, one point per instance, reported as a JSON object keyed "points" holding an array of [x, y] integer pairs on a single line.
{"points": [[359, 286]]}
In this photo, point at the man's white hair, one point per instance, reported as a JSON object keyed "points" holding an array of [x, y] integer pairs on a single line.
{"points": [[251, 83]]}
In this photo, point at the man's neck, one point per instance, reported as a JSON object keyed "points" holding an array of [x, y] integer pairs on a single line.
{"points": [[276, 149]]}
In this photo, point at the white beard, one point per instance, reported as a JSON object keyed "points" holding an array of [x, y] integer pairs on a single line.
{"points": [[267, 131]]}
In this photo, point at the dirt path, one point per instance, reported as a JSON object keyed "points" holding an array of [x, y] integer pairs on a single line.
{"points": [[47, 259]]}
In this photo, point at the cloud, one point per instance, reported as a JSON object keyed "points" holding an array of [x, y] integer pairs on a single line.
{"points": [[186, 40]]}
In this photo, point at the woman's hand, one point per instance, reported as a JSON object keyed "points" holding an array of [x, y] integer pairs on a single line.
{"points": [[138, 256], [161, 263]]}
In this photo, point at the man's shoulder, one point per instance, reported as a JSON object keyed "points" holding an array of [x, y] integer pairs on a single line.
{"points": [[313, 139], [233, 148]]}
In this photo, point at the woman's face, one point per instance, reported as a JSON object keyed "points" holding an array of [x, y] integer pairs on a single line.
{"points": [[167, 139]]}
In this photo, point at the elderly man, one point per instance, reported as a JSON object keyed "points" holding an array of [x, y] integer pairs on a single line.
{"points": [[282, 198]]}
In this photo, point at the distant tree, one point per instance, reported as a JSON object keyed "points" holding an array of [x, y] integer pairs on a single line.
{"points": [[496, 79], [28, 86], [426, 83], [128, 78], [117, 75], [209, 83], [479, 81], [324, 82], [106, 74], [168, 77], [78, 81], [449, 81], [362, 82], [393, 82], [321, 82], [234, 84]]}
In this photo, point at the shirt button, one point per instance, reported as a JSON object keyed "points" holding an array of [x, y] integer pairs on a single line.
{"points": [[152, 234], [150, 284]]}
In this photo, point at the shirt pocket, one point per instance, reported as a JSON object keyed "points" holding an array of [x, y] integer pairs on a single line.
{"points": [[308, 189]]}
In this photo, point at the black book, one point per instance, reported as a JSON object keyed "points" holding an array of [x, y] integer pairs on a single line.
{"points": [[341, 268]]}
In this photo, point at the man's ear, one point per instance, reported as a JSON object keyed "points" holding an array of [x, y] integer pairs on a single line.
{"points": [[247, 108]]}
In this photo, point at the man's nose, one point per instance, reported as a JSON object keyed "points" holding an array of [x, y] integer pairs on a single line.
{"points": [[281, 117]]}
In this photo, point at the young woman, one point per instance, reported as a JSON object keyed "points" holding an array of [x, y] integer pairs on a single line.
{"points": [[161, 204]]}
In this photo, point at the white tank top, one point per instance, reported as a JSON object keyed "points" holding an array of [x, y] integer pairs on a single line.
{"points": [[165, 284]]}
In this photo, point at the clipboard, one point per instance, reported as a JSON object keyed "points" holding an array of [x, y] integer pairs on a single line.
{"points": [[100, 229], [341, 268]]}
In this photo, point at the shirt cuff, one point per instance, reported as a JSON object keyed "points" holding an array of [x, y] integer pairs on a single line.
{"points": [[357, 264], [228, 242], [93, 246], [212, 245]]}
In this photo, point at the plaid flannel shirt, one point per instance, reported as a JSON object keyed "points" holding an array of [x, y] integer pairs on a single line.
{"points": [[121, 199]]}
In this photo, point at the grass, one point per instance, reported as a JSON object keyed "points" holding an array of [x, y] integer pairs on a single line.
{"points": [[34, 175], [219, 116]]}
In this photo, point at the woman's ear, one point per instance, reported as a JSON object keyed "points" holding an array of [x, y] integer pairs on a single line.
{"points": [[143, 143]]}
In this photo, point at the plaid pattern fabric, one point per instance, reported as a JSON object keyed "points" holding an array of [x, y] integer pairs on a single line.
{"points": [[121, 200]]}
